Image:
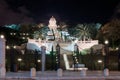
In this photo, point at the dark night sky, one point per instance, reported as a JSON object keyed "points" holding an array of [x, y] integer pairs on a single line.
{"points": [[70, 11]]}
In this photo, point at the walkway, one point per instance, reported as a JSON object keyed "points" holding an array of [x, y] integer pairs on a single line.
{"points": [[67, 75]]}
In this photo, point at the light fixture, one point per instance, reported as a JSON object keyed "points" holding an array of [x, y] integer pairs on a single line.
{"points": [[7, 47], [19, 59], [106, 41], [99, 61], [2, 36], [38, 60]]}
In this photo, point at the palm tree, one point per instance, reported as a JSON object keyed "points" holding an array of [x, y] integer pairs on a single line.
{"points": [[111, 30], [83, 31]]}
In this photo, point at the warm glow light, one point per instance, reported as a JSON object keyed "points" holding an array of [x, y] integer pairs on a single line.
{"points": [[117, 48], [14, 47], [8, 47], [38, 60], [1, 36], [19, 59], [99, 61], [106, 41], [14, 33], [11, 33]]}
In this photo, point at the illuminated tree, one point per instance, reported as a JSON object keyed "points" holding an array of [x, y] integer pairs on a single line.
{"points": [[83, 31], [111, 30], [87, 31]]}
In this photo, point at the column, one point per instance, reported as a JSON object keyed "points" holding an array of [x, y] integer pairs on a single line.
{"points": [[119, 58], [106, 56], [43, 52], [2, 57]]}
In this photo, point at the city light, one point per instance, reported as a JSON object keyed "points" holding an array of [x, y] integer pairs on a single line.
{"points": [[14, 47], [19, 59], [7, 47], [2, 36], [99, 61], [38, 60], [106, 41], [117, 48]]}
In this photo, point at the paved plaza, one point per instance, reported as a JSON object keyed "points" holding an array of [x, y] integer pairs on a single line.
{"points": [[67, 75]]}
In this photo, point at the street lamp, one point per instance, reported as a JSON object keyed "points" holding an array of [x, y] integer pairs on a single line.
{"points": [[106, 42], [43, 52], [35, 58], [99, 61], [58, 56], [38, 61], [106, 50], [75, 57], [7, 47], [19, 60], [2, 36], [12, 58], [14, 47], [12, 54]]}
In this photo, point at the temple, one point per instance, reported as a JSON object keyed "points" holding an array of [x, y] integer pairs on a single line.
{"points": [[66, 48], [52, 24], [53, 34]]}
